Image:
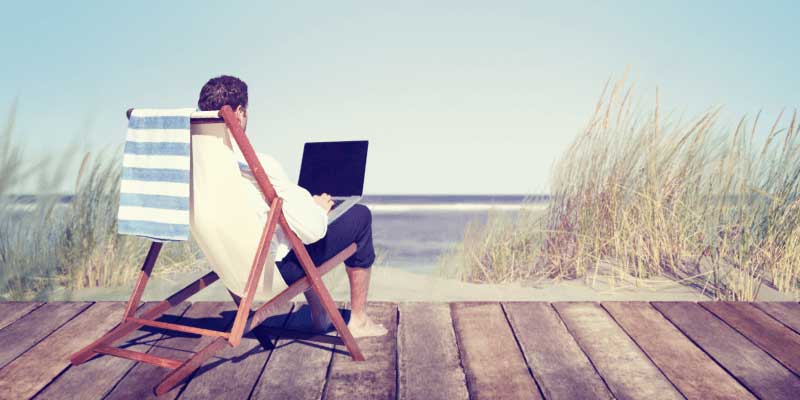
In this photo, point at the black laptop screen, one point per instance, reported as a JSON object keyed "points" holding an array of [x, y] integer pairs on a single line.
{"points": [[336, 168]]}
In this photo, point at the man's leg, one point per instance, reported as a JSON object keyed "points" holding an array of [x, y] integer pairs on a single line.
{"points": [[360, 324], [319, 320], [355, 225]]}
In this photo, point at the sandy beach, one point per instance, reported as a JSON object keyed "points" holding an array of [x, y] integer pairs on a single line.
{"points": [[396, 285]]}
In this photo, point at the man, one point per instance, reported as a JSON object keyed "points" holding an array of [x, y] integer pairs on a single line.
{"points": [[307, 216]]}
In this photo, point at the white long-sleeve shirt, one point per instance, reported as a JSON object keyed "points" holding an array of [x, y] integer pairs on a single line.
{"points": [[308, 220]]}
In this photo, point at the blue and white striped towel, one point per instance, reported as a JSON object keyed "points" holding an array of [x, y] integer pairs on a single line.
{"points": [[154, 194]]}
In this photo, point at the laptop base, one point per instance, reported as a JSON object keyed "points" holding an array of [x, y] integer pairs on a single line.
{"points": [[340, 209]]}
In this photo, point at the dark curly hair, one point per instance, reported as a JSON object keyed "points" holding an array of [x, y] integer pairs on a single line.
{"points": [[223, 90]]}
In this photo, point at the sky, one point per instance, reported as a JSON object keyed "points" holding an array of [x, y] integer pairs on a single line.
{"points": [[455, 97]]}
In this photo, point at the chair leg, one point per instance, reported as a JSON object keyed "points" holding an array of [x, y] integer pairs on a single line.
{"points": [[328, 305], [154, 312], [133, 303], [189, 366], [338, 322], [313, 280], [296, 288], [243, 313], [141, 282]]}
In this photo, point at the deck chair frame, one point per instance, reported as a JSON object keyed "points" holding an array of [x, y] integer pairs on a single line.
{"points": [[246, 318]]}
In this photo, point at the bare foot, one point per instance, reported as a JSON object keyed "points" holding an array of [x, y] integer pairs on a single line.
{"points": [[364, 327]]}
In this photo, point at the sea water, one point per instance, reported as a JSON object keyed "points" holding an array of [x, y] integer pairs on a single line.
{"points": [[412, 232]]}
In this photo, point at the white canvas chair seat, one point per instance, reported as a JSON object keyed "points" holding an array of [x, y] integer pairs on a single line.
{"points": [[225, 220]]}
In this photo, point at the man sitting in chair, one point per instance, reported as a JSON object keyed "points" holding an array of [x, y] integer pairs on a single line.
{"points": [[308, 217]]}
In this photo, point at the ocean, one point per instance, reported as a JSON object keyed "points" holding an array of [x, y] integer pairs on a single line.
{"points": [[412, 232]]}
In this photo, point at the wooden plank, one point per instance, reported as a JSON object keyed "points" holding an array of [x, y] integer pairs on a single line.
{"points": [[11, 311], [296, 369], [237, 370], [785, 312], [142, 378], [772, 336], [30, 329], [375, 377], [428, 363], [625, 368], [493, 364], [561, 368], [105, 371], [759, 372], [30, 372], [693, 372]]}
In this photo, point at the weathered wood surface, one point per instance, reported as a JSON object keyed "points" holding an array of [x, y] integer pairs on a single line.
{"points": [[11, 311], [459, 350], [139, 382], [296, 369], [627, 371], [757, 370], [34, 327], [562, 370], [233, 374], [694, 374], [428, 362], [32, 371], [104, 372], [493, 364], [375, 377], [785, 312], [772, 336]]}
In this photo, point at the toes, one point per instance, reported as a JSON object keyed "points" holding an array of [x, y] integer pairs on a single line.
{"points": [[368, 330]]}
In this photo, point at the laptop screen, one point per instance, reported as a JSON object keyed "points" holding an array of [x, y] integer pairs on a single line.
{"points": [[336, 168]]}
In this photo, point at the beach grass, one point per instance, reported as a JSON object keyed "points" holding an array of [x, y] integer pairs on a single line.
{"points": [[642, 194], [503, 249], [638, 194], [50, 244]]}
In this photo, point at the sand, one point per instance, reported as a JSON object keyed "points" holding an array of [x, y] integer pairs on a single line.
{"points": [[396, 285]]}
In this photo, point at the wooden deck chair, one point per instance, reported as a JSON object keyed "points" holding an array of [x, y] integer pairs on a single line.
{"points": [[204, 197]]}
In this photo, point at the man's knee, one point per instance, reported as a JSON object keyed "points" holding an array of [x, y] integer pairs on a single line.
{"points": [[362, 214]]}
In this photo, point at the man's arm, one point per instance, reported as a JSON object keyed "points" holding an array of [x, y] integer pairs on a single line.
{"points": [[307, 219]]}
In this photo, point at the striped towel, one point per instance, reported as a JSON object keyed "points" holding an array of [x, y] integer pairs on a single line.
{"points": [[154, 194]]}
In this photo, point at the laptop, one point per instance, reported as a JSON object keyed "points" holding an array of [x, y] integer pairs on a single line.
{"points": [[336, 168]]}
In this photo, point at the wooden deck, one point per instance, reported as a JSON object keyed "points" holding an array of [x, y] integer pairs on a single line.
{"points": [[625, 350]]}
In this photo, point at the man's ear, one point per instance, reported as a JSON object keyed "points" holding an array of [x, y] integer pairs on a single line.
{"points": [[241, 110]]}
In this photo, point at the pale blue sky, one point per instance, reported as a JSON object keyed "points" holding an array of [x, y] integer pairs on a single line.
{"points": [[455, 97]]}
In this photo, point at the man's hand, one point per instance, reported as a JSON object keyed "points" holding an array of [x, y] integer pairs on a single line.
{"points": [[324, 201]]}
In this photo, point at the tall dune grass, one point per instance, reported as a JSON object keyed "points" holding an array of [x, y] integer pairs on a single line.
{"points": [[506, 248], [653, 195], [51, 244], [22, 274]]}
